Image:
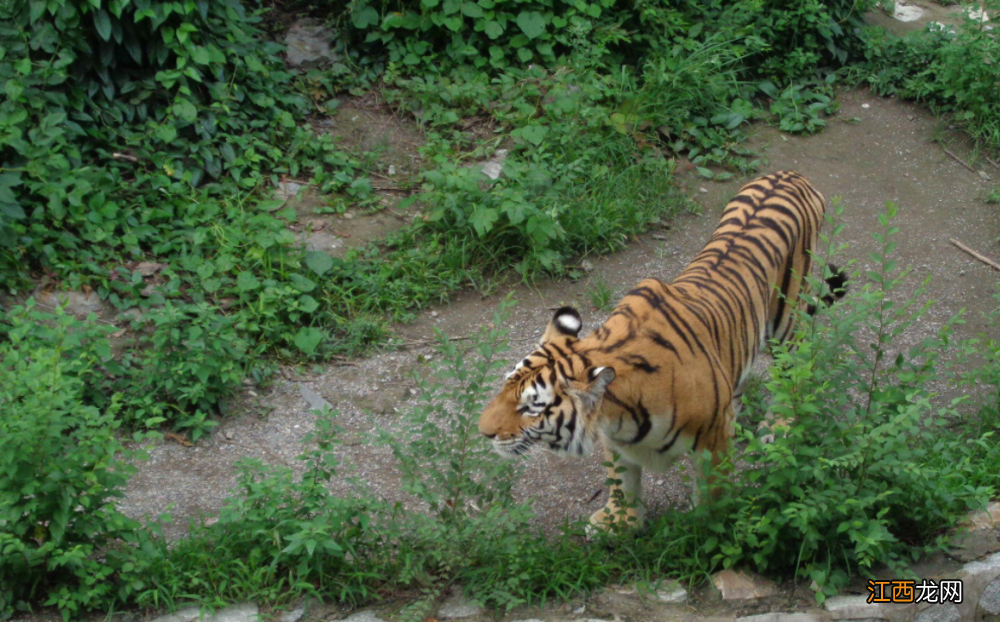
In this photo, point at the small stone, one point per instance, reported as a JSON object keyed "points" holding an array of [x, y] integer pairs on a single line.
{"points": [[579, 610], [586, 266], [348, 215], [907, 12], [364, 616], [779, 617], [853, 608], [985, 519], [308, 44], [866, 105], [457, 606], [911, 118], [961, 273], [392, 170], [315, 401], [75, 303], [494, 166], [149, 268], [985, 176], [736, 585], [671, 592], [990, 600], [228, 434], [703, 190], [944, 612], [288, 189], [434, 313], [246, 612], [322, 241], [293, 615]]}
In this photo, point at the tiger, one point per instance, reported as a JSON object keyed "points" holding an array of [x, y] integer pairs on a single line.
{"points": [[665, 374]]}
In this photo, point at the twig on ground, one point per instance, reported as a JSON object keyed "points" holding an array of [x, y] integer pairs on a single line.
{"points": [[960, 161], [125, 156], [985, 260], [990, 160]]}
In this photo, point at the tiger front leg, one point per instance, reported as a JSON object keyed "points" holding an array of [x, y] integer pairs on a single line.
{"points": [[624, 506]]}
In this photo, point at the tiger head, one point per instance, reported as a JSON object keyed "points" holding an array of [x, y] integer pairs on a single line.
{"points": [[550, 398]]}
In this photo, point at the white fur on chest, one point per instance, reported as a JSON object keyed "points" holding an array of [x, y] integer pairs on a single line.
{"points": [[657, 451]]}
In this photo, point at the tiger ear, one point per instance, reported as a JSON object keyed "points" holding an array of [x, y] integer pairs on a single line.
{"points": [[565, 323], [592, 393]]}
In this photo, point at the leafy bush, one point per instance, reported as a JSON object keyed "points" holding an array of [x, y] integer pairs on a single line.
{"points": [[954, 71], [62, 541]]}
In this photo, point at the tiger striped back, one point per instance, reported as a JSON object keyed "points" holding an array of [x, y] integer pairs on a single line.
{"points": [[665, 372]]}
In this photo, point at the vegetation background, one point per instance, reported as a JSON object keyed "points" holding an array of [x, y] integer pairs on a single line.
{"points": [[139, 133]]}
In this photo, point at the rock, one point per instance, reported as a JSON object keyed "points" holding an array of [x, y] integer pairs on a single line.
{"points": [[671, 592], [148, 268], [308, 43], [494, 166], [990, 600], [853, 608], [985, 176], [322, 241], [246, 612], [907, 12], [75, 303], [363, 616], [294, 615], [315, 400], [703, 190], [456, 606], [288, 189], [736, 585], [779, 617], [586, 266], [945, 612]]}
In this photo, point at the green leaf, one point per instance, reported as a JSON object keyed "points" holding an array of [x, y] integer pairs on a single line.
{"points": [[364, 18], [471, 9], [308, 304], [482, 219], [319, 262], [200, 56], [534, 134], [12, 210], [185, 111], [493, 29], [270, 205], [531, 23], [246, 281], [308, 339], [706, 173], [166, 133], [23, 66], [13, 88], [102, 21]]}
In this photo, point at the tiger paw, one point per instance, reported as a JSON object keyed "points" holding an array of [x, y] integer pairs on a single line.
{"points": [[612, 517]]}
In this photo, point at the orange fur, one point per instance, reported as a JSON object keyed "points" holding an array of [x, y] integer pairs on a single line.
{"points": [[664, 374]]}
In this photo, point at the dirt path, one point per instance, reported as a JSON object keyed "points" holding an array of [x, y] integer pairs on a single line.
{"points": [[888, 155]]}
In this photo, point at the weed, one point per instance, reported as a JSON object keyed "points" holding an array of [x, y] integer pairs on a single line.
{"points": [[601, 295], [993, 196]]}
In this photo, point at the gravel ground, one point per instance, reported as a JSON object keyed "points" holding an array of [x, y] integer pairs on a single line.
{"points": [[888, 154]]}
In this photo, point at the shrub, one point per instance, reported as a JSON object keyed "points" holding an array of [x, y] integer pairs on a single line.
{"points": [[955, 72], [62, 540]]}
